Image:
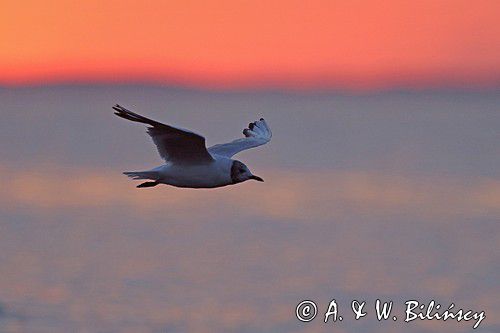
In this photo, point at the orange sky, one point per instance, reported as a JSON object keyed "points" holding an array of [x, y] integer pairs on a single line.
{"points": [[346, 43]]}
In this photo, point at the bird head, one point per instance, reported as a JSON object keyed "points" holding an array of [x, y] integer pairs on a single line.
{"points": [[241, 173]]}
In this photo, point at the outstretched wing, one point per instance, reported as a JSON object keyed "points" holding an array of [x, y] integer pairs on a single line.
{"points": [[174, 145], [257, 134]]}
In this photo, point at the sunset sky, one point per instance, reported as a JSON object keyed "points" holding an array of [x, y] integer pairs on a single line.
{"points": [[297, 44]]}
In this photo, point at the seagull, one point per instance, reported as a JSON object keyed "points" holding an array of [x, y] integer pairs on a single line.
{"points": [[189, 163]]}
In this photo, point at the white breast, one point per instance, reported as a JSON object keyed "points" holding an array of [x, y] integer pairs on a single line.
{"points": [[214, 174]]}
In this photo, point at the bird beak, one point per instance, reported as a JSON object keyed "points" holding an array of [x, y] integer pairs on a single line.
{"points": [[257, 178]]}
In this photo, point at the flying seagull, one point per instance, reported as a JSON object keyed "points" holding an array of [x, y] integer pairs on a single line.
{"points": [[188, 162]]}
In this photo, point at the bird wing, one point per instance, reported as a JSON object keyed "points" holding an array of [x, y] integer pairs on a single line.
{"points": [[257, 134], [174, 145]]}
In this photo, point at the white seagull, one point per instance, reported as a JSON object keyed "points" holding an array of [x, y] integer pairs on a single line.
{"points": [[188, 162]]}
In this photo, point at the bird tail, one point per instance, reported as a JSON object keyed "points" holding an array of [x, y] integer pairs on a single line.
{"points": [[142, 174]]}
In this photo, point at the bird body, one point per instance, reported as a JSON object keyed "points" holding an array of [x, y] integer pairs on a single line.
{"points": [[189, 163], [207, 175]]}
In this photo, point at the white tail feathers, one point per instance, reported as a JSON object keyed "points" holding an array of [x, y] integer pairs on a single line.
{"points": [[142, 174]]}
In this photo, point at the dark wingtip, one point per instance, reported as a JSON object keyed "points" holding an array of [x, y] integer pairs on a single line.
{"points": [[119, 108]]}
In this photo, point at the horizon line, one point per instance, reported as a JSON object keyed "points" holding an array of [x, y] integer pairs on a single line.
{"points": [[276, 86]]}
